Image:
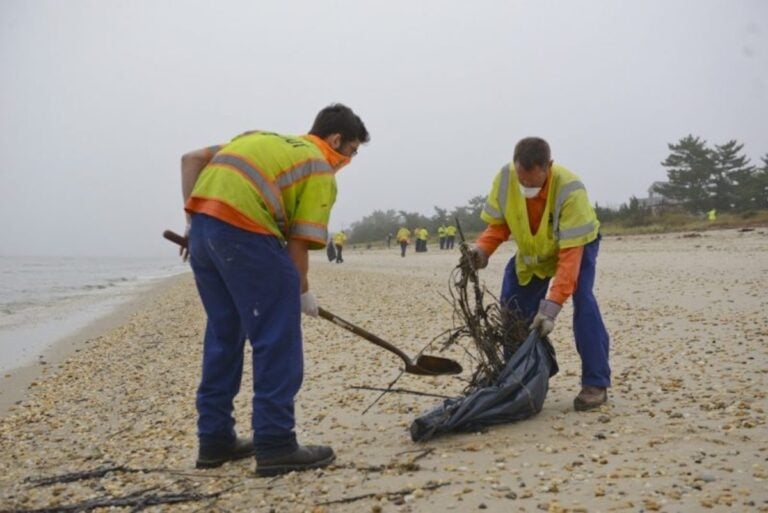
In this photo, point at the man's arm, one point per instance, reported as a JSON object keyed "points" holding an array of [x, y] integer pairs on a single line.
{"points": [[298, 250], [192, 163]]}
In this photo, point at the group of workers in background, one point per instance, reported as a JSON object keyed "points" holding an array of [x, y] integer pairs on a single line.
{"points": [[446, 238], [257, 204]]}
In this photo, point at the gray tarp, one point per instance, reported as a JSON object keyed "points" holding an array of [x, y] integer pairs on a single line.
{"points": [[518, 394]]}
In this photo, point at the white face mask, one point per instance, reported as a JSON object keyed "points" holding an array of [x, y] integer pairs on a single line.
{"points": [[529, 192]]}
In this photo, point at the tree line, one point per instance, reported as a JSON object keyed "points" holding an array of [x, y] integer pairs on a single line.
{"points": [[380, 224], [699, 178]]}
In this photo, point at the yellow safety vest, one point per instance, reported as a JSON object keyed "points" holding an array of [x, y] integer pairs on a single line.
{"points": [[423, 234], [403, 234], [450, 230], [269, 183], [441, 231], [568, 220], [339, 238]]}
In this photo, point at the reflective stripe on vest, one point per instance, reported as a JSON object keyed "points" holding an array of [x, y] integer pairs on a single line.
{"points": [[562, 196], [309, 230], [533, 260], [566, 190], [268, 192], [501, 196], [302, 171]]}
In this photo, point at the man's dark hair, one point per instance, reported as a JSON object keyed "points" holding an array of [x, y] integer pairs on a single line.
{"points": [[531, 152], [339, 119]]}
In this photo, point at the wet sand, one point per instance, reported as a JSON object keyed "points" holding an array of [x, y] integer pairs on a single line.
{"points": [[684, 429]]}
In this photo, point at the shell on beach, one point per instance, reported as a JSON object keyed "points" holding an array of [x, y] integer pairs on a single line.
{"points": [[684, 428]]}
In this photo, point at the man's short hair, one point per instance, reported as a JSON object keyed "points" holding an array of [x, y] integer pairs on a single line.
{"points": [[531, 152], [339, 119]]}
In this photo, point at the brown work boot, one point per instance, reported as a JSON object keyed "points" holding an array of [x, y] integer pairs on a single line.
{"points": [[590, 397]]}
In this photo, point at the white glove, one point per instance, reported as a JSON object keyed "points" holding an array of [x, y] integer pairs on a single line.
{"points": [[309, 304], [544, 321]]}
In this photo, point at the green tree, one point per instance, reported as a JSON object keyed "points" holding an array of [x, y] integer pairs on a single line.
{"points": [[690, 168], [753, 187], [633, 214], [760, 185], [469, 215], [440, 218], [375, 226], [732, 179]]}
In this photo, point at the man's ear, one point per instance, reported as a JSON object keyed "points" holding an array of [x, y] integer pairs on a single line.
{"points": [[334, 141]]}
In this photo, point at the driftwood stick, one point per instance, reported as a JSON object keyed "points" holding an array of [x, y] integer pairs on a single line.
{"points": [[398, 391], [422, 453], [431, 485], [78, 476], [389, 387], [137, 501], [102, 471]]}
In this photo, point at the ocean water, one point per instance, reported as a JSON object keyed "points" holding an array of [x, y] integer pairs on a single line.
{"points": [[44, 299]]}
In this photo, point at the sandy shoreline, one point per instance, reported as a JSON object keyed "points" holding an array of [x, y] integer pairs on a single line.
{"points": [[16, 381], [685, 429]]}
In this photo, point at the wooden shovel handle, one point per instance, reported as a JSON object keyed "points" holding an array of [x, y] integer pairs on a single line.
{"points": [[175, 238], [370, 337]]}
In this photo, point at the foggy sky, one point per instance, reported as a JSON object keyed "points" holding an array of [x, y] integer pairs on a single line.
{"points": [[99, 99]]}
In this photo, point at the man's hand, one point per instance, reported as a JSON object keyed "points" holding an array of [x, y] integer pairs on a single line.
{"points": [[309, 304], [478, 258], [544, 322]]}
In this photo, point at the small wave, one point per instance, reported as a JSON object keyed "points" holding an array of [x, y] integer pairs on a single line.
{"points": [[16, 307], [99, 286]]}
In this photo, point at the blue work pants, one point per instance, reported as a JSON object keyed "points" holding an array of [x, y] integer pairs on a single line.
{"points": [[250, 288], [592, 342]]}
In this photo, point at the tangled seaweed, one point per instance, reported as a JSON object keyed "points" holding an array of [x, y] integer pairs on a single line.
{"points": [[493, 330]]}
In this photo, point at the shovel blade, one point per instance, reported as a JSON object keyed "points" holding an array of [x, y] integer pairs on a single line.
{"points": [[434, 366]]}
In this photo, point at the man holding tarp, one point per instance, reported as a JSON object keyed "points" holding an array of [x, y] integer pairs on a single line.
{"points": [[546, 208]]}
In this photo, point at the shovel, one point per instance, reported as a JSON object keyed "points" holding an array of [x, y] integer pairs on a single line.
{"points": [[425, 365]]}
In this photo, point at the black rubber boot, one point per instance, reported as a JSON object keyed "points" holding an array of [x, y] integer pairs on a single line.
{"points": [[306, 457], [215, 455]]}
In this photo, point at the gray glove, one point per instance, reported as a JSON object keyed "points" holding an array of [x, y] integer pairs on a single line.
{"points": [[544, 322], [478, 256]]}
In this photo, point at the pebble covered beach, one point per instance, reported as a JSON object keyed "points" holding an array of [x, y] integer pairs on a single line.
{"points": [[684, 429]]}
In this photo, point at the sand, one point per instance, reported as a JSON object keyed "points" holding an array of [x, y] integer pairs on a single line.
{"points": [[684, 429]]}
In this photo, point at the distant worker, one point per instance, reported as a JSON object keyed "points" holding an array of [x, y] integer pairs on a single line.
{"points": [[450, 236], [423, 237], [416, 240], [255, 206], [546, 208], [441, 236], [403, 235], [712, 215], [389, 240], [338, 242]]}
